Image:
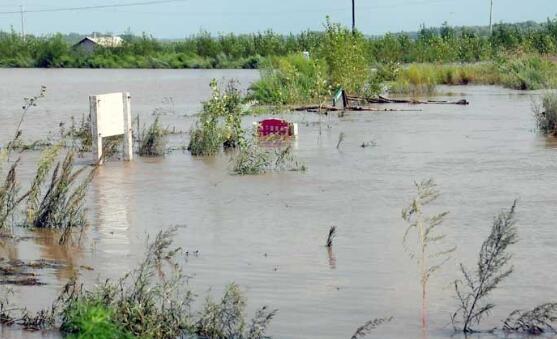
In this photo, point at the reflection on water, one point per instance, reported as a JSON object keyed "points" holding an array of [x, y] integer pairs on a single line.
{"points": [[266, 232]]}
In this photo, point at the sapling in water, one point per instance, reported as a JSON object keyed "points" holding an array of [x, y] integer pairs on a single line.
{"points": [[428, 250]]}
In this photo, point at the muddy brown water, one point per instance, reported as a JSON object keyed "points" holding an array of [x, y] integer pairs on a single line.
{"points": [[267, 232]]}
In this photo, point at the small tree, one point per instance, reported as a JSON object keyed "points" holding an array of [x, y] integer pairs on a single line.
{"points": [[424, 230]]}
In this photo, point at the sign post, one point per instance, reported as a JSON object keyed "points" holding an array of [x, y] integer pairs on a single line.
{"points": [[111, 115]]}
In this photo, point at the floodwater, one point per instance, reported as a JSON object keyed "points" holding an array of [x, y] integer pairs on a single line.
{"points": [[267, 232]]}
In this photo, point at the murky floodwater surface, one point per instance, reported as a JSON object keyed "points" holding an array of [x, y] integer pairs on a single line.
{"points": [[267, 232]]}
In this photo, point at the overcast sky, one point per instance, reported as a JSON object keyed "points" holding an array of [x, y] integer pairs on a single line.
{"points": [[179, 19]]}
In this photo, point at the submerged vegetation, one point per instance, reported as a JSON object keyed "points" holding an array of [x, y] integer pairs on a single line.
{"points": [[151, 301], [219, 122], [546, 114], [153, 141]]}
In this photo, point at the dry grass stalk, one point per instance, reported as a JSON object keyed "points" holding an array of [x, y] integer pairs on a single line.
{"points": [[492, 268], [425, 230], [369, 326], [8, 199], [331, 236]]}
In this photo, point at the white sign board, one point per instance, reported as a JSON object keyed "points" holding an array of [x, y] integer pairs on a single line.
{"points": [[111, 115]]}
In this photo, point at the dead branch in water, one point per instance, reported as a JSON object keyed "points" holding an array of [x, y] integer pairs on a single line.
{"points": [[331, 236], [369, 326], [383, 100], [324, 109]]}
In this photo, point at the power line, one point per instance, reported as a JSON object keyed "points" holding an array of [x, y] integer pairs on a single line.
{"points": [[65, 9]]}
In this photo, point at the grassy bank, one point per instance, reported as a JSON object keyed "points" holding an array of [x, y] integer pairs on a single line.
{"points": [[524, 73], [444, 44]]}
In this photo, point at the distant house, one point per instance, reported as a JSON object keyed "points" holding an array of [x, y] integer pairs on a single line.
{"points": [[89, 44]]}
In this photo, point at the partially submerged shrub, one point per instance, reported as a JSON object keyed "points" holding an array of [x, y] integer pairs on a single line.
{"points": [[546, 114], [428, 251], [79, 134], [536, 321], [153, 142], [492, 268], [219, 122], [253, 159]]}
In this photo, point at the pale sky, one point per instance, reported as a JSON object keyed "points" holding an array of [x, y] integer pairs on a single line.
{"points": [[179, 19]]}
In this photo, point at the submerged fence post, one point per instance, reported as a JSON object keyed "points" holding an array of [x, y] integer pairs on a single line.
{"points": [[97, 139], [128, 142]]}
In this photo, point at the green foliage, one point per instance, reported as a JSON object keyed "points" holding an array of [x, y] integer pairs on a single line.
{"points": [[528, 73], [344, 54], [153, 142], [291, 79], [492, 268], [148, 302], [444, 44], [89, 320], [546, 114], [219, 122]]}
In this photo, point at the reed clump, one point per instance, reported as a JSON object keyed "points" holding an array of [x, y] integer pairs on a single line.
{"points": [[56, 197], [153, 141], [546, 114]]}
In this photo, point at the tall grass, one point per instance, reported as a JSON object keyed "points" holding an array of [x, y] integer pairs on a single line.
{"points": [[61, 206], [153, 141], [528, 72]]}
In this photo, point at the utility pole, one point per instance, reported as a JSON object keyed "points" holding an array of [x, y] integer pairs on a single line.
{"points": [[353, 17], [21, 11], [491, 18]]}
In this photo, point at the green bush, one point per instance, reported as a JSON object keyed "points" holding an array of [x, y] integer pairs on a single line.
{"points": [[291, 79], [91, 319], [219, 122]]}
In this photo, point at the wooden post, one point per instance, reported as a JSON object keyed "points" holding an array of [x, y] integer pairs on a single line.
{"points": [[96, 136], [128, 142]]}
